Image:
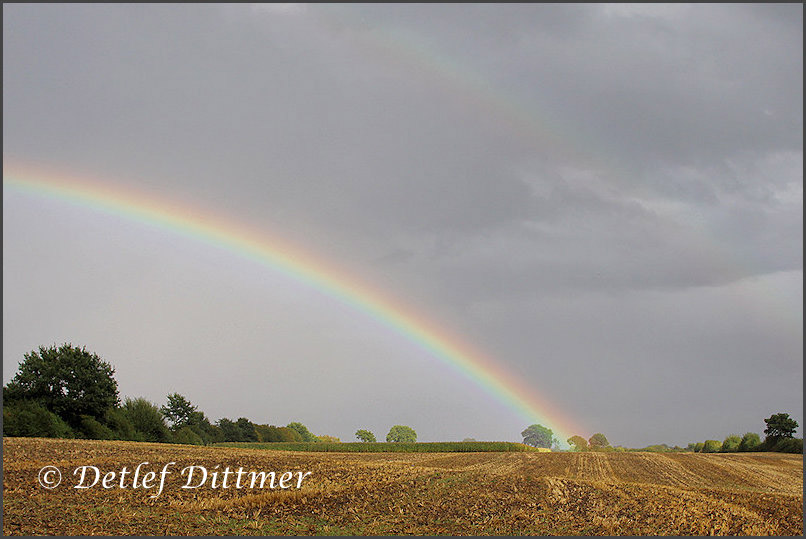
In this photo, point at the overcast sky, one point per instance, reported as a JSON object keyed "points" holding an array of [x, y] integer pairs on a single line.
{"points": [[605, 200]]}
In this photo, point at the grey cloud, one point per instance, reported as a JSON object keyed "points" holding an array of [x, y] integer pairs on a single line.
{"points": [[481, 162]]}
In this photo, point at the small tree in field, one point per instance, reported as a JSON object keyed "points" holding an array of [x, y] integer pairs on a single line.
{"points": [[401, 433], [365, 436], [178, 411], [538, 436]]}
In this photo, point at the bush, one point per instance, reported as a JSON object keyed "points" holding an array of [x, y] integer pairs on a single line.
{"points": [[731, 444], [367, 436], [208, 432], [290, 435], [92, 429], [267, 433], [711, 446], [146, 419], [750, 442], [185, 435], [305, 434], [788, 445], [26, 418], [122, 429]]}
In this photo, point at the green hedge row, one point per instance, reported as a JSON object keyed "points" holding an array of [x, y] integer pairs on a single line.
{"points": [[385, 447]]}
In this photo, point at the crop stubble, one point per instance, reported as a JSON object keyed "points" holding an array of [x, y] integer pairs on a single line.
{"points": [[412, 493]]}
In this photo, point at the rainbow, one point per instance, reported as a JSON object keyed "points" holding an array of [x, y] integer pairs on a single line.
{"points": [[529, 122], [259, 247]]}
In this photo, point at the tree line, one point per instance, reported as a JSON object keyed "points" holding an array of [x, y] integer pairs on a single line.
{"points": [[68, 392], [779, 437]]}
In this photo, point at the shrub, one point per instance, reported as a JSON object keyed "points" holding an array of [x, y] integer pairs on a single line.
{"points": [[274, 434], [290, 435], [92, 429], [731, 444], [208, 432], [698, 447], [305, 434], [711, 446], [122, 429], [146, 419], [26, 418], [750, 442], [368, 437], [185, 435], [788, 445], [267, 433]]}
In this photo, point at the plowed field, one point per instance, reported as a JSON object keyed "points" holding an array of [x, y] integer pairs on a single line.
{"points": [[406, 493]]}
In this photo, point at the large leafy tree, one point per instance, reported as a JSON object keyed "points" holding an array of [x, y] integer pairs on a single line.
{"points": [[780, 426], [401, 433], [68, 380], [538, 436]]}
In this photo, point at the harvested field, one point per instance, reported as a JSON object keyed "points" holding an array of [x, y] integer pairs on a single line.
{"points": [[525, 493]]}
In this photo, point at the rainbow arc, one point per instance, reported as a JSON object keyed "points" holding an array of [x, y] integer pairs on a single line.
{"points": [[257, 246]]}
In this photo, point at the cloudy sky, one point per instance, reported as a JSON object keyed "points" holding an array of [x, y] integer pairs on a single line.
{"points": [[604, 200]]}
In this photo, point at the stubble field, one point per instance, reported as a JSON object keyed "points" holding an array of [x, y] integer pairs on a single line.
{"points": [[405, 493]]}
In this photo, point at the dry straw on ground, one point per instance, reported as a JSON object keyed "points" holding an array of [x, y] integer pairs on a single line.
{"points": [[412, 493]]}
